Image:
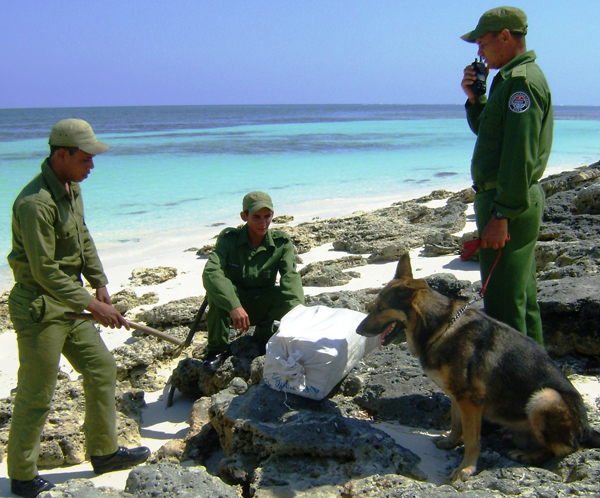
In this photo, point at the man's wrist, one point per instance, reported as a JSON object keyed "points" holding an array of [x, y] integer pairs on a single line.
{"points": [[498, 215]]}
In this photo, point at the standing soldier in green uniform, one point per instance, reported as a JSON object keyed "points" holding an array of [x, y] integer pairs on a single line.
{"points": [[239, 278], [514, 137], [51, 251]]}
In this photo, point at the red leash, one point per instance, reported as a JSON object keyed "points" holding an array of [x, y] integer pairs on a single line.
{"points": [[471, 247]]}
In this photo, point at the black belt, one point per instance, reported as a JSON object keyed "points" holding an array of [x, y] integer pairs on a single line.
{"points": [[482, 187]]}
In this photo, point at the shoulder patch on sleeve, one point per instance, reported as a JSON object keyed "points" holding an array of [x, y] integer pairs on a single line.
{"points": [[519, 71], [519, 102]]}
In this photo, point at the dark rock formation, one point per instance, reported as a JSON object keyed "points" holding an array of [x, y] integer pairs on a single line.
{"points": [[385, 233], [152, 276], [180, 312], [571, 315], [205, 251], [301, 442], [5, 323], [331, 273], [166, 480], [282, 219], [127, 299], [62, 438]]}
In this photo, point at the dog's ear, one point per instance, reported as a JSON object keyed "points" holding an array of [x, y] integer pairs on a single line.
{"points": [[419, 307], [403, 270]]}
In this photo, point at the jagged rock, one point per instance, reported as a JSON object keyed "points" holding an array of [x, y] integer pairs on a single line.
{"points": [[571, 315], [168, 480], [5, 323], [351, 300], [587, 200], [127, 299], [388, 232], [556, 260], [330, 273], [152, 276], [466, 195], [567, 243], [383, 233], [186, 377], [434, 195], [205, 251], [180, 312], [193, 382], [284, 218], [63, 441], [448, 285], [199, 417], [172, 452], [569, 180], [396, 388], [82, 488], [293, 439], [440, 244], [517, 480], [138, 362]]}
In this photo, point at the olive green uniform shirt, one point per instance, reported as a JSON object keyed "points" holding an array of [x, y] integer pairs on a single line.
{"points": [[51, 245], [514, 133], [235, 263]]}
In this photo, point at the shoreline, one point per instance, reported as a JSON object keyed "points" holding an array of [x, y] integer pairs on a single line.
{"points": [[157, 249]]}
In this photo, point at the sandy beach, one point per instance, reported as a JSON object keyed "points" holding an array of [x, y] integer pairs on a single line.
{"points": [[161, 424]]}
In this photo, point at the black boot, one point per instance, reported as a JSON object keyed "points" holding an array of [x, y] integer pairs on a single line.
{"points": [[30, 489], [214, 360], [124, 458]]}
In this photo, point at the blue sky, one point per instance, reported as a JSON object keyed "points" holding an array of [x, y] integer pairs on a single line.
{"points": [[66, 53]]}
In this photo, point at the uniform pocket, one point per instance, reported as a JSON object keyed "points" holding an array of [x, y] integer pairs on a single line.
{"points": [[45, 309], [37, 309], [67, 240]]}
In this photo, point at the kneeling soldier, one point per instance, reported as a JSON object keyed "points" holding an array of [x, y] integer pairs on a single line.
{"points": [[240, 275]]}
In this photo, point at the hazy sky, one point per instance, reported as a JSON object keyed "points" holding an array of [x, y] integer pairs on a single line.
{"points": [[65, 53]]}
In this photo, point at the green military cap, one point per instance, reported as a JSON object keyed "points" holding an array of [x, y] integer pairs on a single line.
{"points": [[497, 19], [76, 133], [254, 201]]}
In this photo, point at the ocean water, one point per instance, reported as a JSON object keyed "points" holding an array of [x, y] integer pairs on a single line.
{"points": [[184, 169]]}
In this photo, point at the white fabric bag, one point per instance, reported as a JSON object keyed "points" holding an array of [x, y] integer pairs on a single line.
{"points": [[314, 349]]}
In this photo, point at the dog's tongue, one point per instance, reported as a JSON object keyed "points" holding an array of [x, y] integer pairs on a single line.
{"points": [[388, 329]]}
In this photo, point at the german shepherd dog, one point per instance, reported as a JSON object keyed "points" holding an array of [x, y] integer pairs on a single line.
{"points": [[487, 368]]}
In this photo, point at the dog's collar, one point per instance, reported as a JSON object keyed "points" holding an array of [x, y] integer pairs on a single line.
{"points": [[459, 313]]}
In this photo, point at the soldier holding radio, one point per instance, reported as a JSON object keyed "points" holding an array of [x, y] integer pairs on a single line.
{"points": [[514, 136]]}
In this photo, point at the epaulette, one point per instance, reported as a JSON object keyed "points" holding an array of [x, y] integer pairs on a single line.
{"points": [[519, 71], [229, 230], [277, 234]]}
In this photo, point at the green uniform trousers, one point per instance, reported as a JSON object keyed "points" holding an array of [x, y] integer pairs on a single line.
{"points": [[263, 305], [511, 295], [42, 336]]}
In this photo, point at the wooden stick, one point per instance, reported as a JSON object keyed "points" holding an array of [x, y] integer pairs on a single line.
{"points": [[133, 325]]}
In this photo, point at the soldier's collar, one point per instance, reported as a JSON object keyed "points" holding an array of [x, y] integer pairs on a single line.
{"points": [[57, 188], [244, 239]]}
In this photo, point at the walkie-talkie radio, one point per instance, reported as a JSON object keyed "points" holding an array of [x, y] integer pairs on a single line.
{"points": [[478, 86]]}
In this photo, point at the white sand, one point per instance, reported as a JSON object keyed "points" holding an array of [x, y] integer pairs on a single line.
{"points": [[161, 424]]}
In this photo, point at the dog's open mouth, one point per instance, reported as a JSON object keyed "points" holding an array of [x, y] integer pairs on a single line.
{"points": [[390, 333]]}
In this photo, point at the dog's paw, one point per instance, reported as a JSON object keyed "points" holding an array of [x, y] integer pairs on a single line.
{"points": [[462, 474], [446, 442], [531, 457]]}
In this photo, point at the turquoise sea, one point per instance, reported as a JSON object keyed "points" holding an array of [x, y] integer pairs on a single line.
{"points": [[181, 169]]}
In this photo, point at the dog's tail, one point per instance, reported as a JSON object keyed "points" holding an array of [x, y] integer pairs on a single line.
{"points": [[591, 438]]}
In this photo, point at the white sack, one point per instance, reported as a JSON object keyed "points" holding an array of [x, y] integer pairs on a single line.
{"points": [[314, 349]]}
